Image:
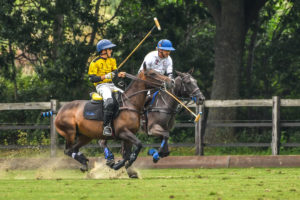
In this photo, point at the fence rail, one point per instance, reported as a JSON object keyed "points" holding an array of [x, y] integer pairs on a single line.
{"points": [[276, 103]]}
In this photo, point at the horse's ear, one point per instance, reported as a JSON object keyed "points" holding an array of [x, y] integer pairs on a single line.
{"points": [[191, 70], [179, 73], [144, 67]]}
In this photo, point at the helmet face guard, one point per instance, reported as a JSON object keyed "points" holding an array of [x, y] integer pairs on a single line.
{"points": [[104, 44], [165, 45]]}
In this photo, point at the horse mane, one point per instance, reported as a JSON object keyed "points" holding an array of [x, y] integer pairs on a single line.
{"points": [[177, 84], [132, 81]]}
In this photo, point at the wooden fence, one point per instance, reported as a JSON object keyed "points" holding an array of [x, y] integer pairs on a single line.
{"points": [[276, 103]]}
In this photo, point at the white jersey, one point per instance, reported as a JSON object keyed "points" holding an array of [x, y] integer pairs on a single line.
{"points": [[162, 65]]}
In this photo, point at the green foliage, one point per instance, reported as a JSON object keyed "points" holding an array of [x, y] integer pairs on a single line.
{"points": [[31, 36], [186, 24], [275, 68]]}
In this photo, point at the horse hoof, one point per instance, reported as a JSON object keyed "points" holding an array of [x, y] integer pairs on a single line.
{"points": [[84, 168], [133, 176], [110, 163], [156, 157], [132, 173]]}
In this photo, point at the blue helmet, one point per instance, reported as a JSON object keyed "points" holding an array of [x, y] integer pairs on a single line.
{"points": [[165, 45], [104, 44]]}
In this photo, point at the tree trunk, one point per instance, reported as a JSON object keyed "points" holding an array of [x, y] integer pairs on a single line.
{"points": [[96, 23], [229, 43], [57, 28], [13, 71], [232, 18]]}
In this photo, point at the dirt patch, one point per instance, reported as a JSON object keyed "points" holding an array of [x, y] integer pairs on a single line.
{"points": [[98, 165]]}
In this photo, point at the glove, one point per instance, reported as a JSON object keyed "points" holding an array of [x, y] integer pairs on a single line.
{"points": [[109, 75]]}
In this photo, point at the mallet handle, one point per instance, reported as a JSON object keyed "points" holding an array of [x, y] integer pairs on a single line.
{"points": [[181, 103], [135, 48], [197, 117]]}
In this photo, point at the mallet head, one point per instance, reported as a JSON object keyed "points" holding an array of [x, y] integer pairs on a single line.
{"points": [[157, 23]]}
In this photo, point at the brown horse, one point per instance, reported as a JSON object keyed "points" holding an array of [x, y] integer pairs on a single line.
{"points": [[70, 121]]}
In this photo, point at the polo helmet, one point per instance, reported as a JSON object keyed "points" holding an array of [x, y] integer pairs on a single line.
{"points": [[104, 44], [165, 45]]}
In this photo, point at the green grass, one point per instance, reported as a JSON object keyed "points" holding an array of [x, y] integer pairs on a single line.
{"points": [[248, 183]]}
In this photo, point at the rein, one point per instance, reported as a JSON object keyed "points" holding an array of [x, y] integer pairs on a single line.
{"points": [[156, 85], [145, 81]]}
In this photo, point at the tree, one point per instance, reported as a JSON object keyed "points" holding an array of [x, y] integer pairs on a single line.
{"points": [[232, 19]]}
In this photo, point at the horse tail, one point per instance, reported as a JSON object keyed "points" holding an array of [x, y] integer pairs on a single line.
{"points": [[47, 114]]}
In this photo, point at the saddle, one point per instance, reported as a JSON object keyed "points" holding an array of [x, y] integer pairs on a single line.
{"points": [[93, 109]]}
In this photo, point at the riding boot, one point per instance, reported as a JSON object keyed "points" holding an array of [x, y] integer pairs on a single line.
{"points": [[108, 115], [107, 131]]}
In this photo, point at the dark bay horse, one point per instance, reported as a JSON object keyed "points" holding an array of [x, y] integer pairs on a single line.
{"points": [[161, 113], [70, 121]]}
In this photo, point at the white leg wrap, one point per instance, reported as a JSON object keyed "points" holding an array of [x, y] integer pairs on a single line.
{"points": [[73, 155]]}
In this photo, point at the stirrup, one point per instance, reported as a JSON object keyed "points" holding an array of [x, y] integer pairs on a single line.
{"points": [[107, 131]]}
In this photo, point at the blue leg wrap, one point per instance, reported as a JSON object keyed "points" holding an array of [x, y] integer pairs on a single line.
{"points": [[151, 152], [162, 143], [108, 155], [154, 154]]}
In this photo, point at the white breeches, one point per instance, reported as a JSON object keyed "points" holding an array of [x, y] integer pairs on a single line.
{"points": [[106, 89]]}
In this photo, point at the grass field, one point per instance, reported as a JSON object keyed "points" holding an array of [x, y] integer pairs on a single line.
{"points": [[248, 183]]}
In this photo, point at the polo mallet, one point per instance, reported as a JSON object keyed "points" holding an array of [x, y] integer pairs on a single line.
{"points": [[156, 25], [197, 117]]}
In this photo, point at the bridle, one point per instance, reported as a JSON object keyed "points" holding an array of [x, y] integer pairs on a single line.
{"points": [[183, 88]]}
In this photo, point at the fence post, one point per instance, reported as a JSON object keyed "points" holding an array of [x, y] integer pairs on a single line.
{"points": [[275, 126], [198, 132], [54, 104]]}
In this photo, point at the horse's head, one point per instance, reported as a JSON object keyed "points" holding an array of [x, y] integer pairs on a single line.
{"points": [[187, 86], [154, 79]]}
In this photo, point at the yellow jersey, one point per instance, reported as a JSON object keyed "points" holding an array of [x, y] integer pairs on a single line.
{"points": [[101, 66]]}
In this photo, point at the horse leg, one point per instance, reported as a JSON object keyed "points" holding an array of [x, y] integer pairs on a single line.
{"points": [[163, 150], [109, 156], [76, 154], [126, 152], [129, 137]]}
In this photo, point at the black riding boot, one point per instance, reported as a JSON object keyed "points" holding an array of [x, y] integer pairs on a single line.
{"points": [[108, 115]]}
